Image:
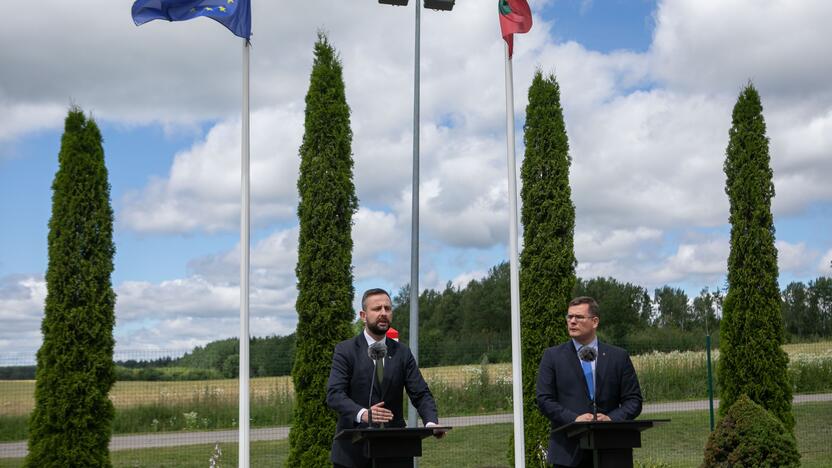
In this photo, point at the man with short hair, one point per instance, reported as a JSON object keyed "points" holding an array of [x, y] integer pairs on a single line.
{"points": [[348, 388], [567, 386]]}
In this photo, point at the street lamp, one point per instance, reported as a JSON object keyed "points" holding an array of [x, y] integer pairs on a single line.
{"points": [[413, 338], [443, 5]]}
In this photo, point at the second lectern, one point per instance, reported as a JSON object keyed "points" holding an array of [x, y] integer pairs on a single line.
{"points": [[611, 442]]}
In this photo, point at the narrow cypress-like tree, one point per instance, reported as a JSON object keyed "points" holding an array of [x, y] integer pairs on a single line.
{"points": [[751, 360], [71, 422], [324, 271], [547, 264]]}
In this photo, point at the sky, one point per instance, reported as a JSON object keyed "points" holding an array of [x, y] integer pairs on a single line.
{"points": [[647, 89]]}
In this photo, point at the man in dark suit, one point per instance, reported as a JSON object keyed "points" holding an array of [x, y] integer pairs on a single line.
{"points": [[566, 385], [348, 389]]}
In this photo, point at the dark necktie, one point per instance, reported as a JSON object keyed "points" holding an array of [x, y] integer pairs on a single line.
{"points": [[590, 383]]}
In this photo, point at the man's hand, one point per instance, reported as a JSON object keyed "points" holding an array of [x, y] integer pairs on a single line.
{"points": [[438, 433], [588, 417], [380, 414]]}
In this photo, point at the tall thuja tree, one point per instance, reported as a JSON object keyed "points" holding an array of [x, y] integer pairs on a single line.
{"points": [[71, 422], [751, 360], [547, 264], [324, 271]]}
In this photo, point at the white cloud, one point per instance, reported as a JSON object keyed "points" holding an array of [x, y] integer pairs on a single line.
{"points": [[598, 246], [272, 262], [202, 190], [181, 313], [797, 259], [22, 300], [194, 297], [825, 265], [801, 156], [18, 118], [652, 159], [706, 260], [713, 46]]}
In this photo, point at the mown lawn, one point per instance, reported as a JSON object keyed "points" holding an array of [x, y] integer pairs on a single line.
{"points": [[679, 443]]}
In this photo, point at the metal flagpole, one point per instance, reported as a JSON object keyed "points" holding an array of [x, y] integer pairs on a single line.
{"points": [[516, 367], [245, 240], [414, 226]]}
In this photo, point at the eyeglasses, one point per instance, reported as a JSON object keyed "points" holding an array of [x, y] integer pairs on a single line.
{"points": [[579, 318]]}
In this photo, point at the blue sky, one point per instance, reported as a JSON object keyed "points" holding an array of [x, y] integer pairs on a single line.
{"points": [[647, 89]]}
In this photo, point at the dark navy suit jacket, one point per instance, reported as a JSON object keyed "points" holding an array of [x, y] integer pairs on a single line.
{"points": [[348, 391], [563, 395]]}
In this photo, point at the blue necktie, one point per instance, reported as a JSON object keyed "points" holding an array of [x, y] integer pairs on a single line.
{"points": [[587, 366]]}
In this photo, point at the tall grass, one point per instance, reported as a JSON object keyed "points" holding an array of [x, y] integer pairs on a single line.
{"points": [[205, 410], [475, 390], [811, 373], [208, 410], [673, 376]]}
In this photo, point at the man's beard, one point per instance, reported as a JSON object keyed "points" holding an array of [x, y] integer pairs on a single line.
{"points": [[375, 328]]}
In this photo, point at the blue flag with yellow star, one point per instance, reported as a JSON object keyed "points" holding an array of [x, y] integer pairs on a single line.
{"points": [[233, 14]]}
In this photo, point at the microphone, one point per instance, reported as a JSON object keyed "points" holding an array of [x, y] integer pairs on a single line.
{"points": [[589, 354], [376, 352]]}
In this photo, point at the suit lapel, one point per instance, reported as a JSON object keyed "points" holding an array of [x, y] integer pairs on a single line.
{"points": [[578, 369], [600, 368]]}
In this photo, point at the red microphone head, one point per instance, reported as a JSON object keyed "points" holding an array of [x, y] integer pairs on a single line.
{"points": [[393, 334]]}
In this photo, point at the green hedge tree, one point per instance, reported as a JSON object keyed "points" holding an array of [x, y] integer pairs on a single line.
{"points": [[324, 270], [547, 263], [71, 422], [750, 436], [751, 360]]}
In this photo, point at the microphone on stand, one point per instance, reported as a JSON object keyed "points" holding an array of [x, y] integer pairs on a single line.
{"points": [[376, 352], [588, 354]]}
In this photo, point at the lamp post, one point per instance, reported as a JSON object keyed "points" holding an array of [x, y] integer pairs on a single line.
{"points": [[413, 339]]}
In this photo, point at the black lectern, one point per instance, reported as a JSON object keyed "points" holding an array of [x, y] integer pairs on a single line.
{"points": [[611, 442], [392, 447]]}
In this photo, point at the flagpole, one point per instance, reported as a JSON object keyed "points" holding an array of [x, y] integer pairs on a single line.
{"points": [[245, 240], [413, 339], [516, 363]]}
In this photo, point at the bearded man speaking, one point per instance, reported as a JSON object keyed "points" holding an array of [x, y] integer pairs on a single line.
{"points": [[367, 377]]}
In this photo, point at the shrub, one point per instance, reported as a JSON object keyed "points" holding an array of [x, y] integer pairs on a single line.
{"points": [[750, 436]]}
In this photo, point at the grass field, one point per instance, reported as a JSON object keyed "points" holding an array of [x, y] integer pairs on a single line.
{"points": [[678, 444]]}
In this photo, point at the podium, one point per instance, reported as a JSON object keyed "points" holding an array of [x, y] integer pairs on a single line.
{"points": [[611, 442], [392, 447]]}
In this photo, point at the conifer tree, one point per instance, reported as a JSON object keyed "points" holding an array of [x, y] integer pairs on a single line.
{"points": [[324, 271], [547, 264], [751, 359], [71, 422]]}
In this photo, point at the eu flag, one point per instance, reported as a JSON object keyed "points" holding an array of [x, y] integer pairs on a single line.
{"points": [[233, 14]]}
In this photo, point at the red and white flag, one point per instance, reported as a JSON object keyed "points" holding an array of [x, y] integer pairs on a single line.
{"points": [[515, 17]]}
